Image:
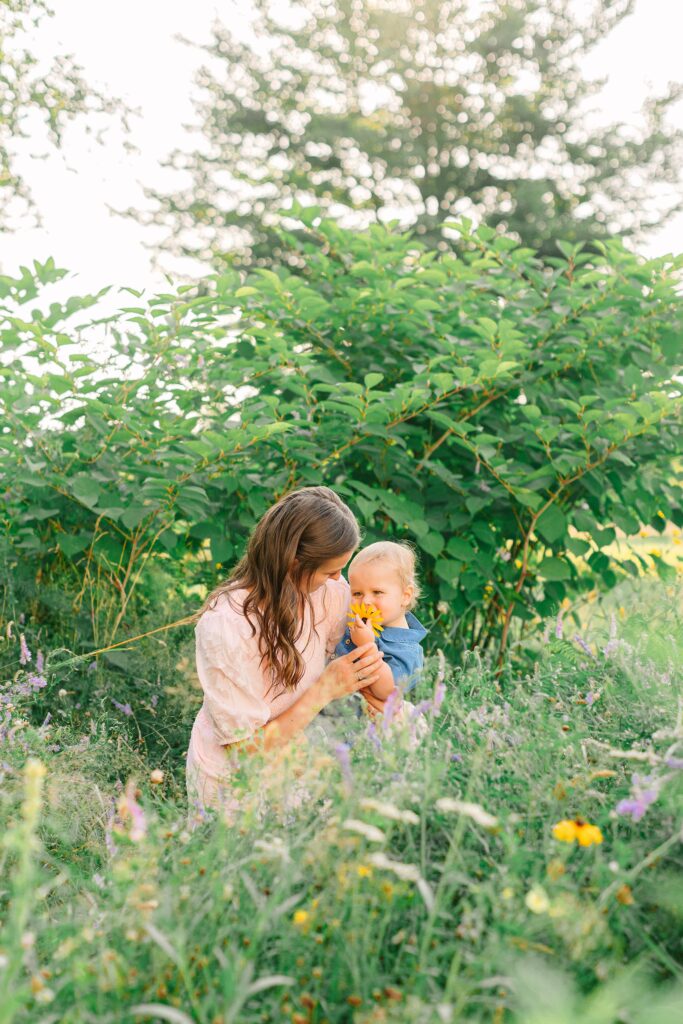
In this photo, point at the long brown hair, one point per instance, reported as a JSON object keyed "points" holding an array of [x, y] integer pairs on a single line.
{"points": [[311, 524]]}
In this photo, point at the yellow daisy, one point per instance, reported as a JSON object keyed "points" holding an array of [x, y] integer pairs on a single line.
{"points": [[368, 613], [565, 831], [586, 834]]}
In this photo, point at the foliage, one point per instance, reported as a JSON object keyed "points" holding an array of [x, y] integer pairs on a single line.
{"points": [[504, 414], [57, 94], [436, 108], [415, 883]]}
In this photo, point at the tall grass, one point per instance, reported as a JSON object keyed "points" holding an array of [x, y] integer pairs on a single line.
{"points": [[387, 878]]}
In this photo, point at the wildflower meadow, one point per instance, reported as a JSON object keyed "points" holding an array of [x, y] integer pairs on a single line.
{"points": [[519, 863]]}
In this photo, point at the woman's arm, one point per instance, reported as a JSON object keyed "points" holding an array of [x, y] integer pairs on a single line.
{"points": [[339, 679]]}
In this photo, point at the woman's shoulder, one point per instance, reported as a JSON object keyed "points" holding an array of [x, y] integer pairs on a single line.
{"points": [[224, 615], [337, 595]]}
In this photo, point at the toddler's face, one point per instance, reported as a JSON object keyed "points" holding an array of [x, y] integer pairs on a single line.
{"points": [[378, 583]]}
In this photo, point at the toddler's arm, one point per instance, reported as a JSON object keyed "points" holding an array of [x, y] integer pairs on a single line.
{"points": [[376, 694]]}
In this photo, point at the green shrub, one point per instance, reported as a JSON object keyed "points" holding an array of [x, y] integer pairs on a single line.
{"points": [[505, 414]]}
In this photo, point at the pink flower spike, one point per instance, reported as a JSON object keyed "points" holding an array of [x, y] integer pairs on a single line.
{"points": [[129, 808], [25, 654]]}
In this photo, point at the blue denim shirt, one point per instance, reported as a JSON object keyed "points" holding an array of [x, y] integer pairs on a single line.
{"points": [[402, 651]]}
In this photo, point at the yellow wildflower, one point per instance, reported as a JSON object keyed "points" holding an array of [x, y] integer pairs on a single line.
{"points": [[586, 834], [369, 614], [565, 831], [364, 871], [300, 917], [537, 900]]}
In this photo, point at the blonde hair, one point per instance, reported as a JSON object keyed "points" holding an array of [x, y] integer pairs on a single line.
{"points": [[401, 557]]}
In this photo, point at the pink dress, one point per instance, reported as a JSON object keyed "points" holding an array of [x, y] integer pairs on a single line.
{"points": [[236, 703]]}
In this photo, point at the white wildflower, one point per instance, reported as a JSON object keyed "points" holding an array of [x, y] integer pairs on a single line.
{"points": [[406, 872], [390, 811], [474, 811], [371, 832]]}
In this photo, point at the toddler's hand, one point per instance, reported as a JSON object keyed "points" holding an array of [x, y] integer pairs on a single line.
{"points": [[361, 632]]}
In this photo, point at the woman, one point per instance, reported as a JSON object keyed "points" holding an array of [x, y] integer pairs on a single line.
{"points": [[264, 637]]}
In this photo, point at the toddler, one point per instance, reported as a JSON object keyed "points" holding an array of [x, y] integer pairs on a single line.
{"points": [[382, 575]]}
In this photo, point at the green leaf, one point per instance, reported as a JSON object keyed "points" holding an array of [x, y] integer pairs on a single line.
{"points": [[461, 549], [554, 569], [371, 379], [432, 543], [86, 490], [71, 544], [552, 524]]}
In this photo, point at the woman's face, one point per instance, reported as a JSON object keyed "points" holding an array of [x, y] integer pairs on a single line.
{"points": [[330, 570]]}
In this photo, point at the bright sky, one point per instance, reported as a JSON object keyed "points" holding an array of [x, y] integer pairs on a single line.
{"points": [[129, 49]]}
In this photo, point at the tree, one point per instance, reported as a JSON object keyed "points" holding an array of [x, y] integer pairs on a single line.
{"points": [[57, 93], [423, 105]]}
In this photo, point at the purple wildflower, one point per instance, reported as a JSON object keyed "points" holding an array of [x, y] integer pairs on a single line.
{"points": [[37, 682], [439, 694], [590, 698], [421, 708], [92, 666], [641, 798], [374, 735], [609, 647], [546, 635], [125, 708], [582, 644], [25, 654], [155, 699], [456, 757], [47, 720], [341, 751], [39, 662], [674, 762], [558, 627], [390, 707]]}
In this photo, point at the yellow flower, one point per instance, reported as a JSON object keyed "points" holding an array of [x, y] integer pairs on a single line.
{"points": [[507, 893], [364, 871], [300, 917], [368, 613], [537, 900], [586, 834], [565, 831]]}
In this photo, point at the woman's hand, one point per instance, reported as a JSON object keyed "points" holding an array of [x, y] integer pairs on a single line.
{"points": [[351, 672]]}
